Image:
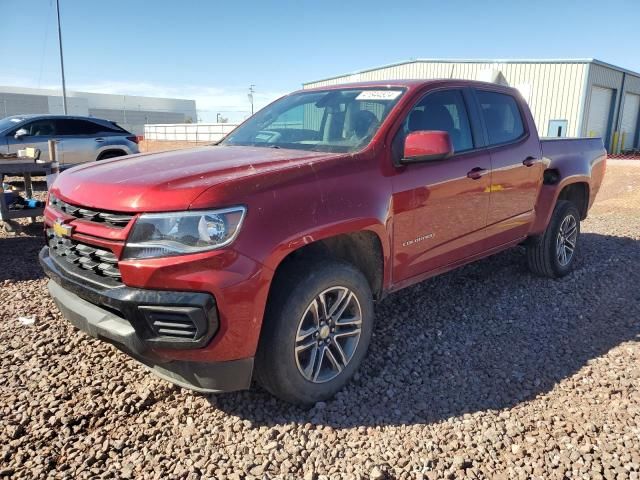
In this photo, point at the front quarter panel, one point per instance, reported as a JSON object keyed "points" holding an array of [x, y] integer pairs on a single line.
{"points": [[289, 209]]}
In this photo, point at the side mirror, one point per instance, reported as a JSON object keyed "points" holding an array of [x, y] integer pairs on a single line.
{"points": [[425, 146], [21, 132]]}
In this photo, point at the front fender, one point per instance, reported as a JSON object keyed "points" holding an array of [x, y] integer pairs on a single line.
{"points": [[291, 208], [297, 241]]}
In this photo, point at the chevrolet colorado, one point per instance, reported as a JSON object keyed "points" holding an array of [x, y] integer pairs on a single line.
{"points": [[261, 257]]}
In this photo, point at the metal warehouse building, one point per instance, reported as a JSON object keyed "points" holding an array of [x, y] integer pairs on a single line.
{"points": [[582, 97], [129, 111]]}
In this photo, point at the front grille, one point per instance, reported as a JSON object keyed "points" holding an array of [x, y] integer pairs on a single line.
{"points": [[118, 220], [88, 257]]}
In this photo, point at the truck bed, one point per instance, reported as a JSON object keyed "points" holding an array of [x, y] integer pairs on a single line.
{"points": [[586, 149], [577, 158]]}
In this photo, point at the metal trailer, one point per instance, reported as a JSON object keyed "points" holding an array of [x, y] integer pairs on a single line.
{"points": [[21, 167]]}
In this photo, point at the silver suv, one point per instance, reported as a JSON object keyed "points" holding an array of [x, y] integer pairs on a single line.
{"points": [[80, 139]]}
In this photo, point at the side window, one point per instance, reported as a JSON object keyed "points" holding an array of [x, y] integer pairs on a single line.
{"points": [[445, 111], [501, 116], [77, 127], [39, 128]]}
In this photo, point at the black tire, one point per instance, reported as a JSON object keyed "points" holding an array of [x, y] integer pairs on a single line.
{"points": [[543, 253], [278, 365], [107, 155]]}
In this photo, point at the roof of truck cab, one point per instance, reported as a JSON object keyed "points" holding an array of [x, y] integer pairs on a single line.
{"points": [[408, 83]]}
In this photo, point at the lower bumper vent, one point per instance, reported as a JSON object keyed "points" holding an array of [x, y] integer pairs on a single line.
{"points": [[187, 323]]}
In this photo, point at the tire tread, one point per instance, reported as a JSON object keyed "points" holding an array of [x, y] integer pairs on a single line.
{"points": [[540, 254], [294, 282]]}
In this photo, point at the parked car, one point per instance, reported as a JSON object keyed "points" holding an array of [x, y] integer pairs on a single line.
{"points": [[80, 139], [262, 257]]}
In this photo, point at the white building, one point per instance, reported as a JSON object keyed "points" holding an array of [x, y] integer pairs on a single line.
{"points": [[580, 97], [129, 111]]}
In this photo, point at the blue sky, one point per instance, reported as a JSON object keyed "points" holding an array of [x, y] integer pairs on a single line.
{"points": [[213, 50]]}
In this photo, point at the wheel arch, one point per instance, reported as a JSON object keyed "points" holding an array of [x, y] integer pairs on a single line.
{"points": [[364, 249], [574, 188], [578, 194], [119, 152]]}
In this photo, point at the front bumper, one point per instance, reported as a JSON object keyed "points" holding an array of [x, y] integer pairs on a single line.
{"points": [[115, 315]]}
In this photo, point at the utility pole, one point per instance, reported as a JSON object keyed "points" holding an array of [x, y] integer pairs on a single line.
{"points": [[64, 87], [251, 91]]}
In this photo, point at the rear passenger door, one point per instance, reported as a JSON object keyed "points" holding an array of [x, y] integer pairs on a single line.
{"points": [[80, 140], [440, 207], [516, 161]]}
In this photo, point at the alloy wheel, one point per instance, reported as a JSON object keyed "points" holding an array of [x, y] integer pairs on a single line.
{"points": [[566, 240], [328, 334]]}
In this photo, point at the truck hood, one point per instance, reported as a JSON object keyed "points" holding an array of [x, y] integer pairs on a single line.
{"points": [[169, 180]]}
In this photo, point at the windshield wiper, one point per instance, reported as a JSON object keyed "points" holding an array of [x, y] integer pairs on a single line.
{"points": [[274, 146]]}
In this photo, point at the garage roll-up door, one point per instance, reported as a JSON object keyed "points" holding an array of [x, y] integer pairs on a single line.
{"points": [[599, 112], [629, 124]]}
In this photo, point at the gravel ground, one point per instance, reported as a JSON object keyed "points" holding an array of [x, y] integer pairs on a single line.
{"points": [[485, 372]]}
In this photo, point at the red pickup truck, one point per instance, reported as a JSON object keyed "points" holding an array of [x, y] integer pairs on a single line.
{"points": [[261, 257]]}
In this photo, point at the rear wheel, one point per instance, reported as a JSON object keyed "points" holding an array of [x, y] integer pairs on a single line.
{"points": [[316, 332], [554, 253]]}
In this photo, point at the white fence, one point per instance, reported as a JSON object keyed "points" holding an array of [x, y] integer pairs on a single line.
{"points": [[191, 132]]}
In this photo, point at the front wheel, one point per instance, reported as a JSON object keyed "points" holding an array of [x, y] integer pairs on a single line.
{"points": [[316, 332], [554, 253]]}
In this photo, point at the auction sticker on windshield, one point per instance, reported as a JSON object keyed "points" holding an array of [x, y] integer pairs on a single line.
{"points": [[379, 95]]}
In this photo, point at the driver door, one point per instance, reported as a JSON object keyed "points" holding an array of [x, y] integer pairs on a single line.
{"points": [[39, 132], [440, 207]]}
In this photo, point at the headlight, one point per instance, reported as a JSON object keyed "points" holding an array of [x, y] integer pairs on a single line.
{"points": [[165, 234]]}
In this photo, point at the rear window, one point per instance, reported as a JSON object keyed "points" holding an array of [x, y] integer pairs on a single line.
{"points": [[77, 127], [114, 127], [86, 127], [501, 116]]}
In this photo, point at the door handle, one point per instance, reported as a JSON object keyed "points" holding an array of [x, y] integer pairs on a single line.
{"points": [[477, 173], [99, 140], [530, 161]]}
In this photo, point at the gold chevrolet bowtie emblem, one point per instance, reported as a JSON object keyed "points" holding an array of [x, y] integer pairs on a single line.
{"points": [[62, 230]]}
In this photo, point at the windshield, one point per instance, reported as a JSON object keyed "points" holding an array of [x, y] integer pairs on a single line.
{"points": [[9, 122], [342, 120]]}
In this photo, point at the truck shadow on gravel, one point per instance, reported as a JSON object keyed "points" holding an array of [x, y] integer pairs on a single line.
{"points": [[485, 337], [19, 254]]}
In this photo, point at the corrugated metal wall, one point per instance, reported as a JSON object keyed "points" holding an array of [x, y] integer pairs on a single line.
{"points": [[553, 90], [134, 120], [18, 104]]}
